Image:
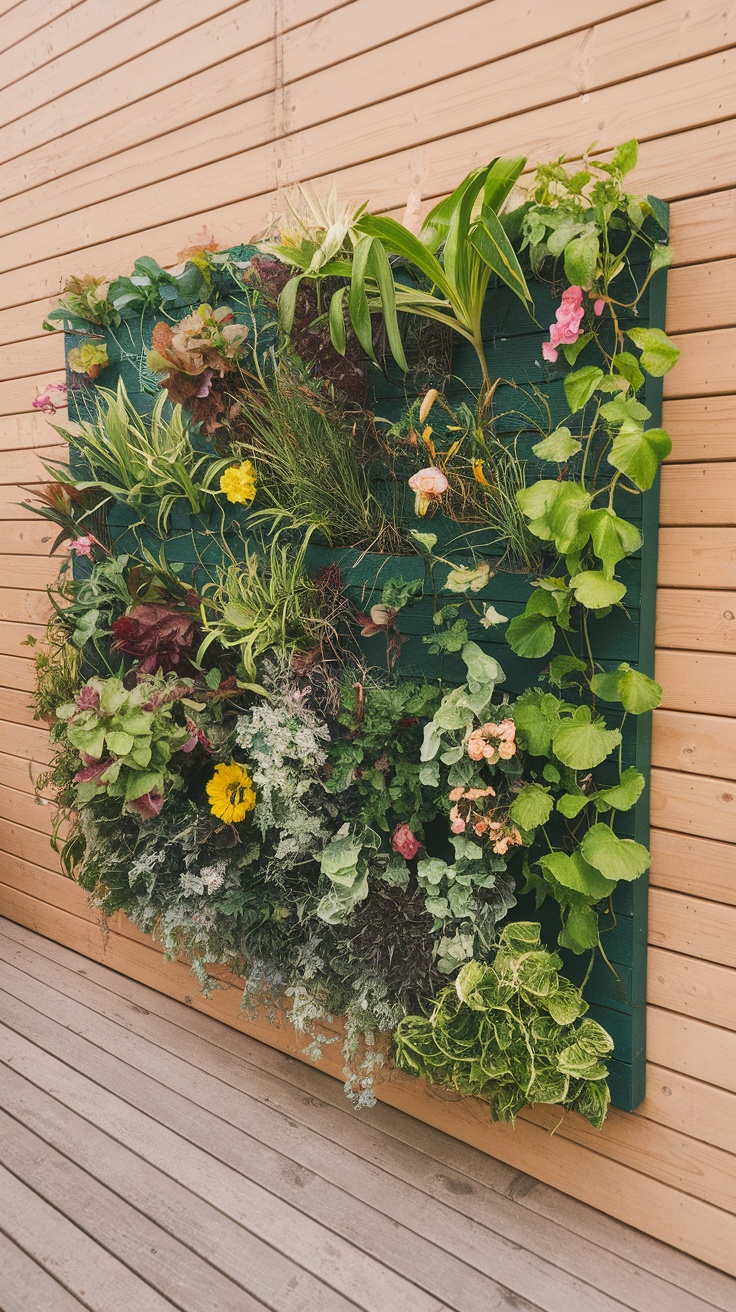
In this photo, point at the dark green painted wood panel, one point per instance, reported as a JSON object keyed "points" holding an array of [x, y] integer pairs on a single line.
{"points": [[532, 397]]}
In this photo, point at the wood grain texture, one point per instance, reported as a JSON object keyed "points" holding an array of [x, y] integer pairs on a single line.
{"points": [[128, 127], [234, 1113]]}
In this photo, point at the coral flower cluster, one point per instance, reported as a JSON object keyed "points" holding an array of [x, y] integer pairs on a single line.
{"points": [[492, 742], [469, 811]]}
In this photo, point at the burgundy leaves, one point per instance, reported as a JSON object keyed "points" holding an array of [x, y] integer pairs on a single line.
{"points": [[157, 636]]}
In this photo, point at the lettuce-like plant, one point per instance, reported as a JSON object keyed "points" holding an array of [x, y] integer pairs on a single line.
{"points": [[125, 739]]}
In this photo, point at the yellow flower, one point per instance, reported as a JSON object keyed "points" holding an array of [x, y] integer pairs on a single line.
{"points": [[230, 793], [239, 483], [478, 474]]}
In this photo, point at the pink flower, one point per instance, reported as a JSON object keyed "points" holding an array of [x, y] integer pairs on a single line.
{"points": [[458, 825], [405, 842], [196, 736], [456, 794], [428, 486], [83, 546], [506, 750], [599, 306], [567, 329], [50, 399]]}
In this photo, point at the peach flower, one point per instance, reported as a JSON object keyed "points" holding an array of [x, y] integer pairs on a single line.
{"points": [[428, 485]]}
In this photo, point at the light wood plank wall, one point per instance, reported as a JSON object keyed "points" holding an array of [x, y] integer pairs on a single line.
{"points": [[130, 123]]}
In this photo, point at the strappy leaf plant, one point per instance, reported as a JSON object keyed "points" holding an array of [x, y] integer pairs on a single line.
{"points": [[462, 245], [148, 464]]}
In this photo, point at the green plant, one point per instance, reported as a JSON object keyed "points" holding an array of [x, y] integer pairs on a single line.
{"points": [[309, 462], [511, 1033], [269, 604], [149, 465], [126, 738], [577, 518], [83, 301], [449, 288]]}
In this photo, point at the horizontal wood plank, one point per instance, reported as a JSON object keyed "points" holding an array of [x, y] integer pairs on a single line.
{"points": [[697, 866], [696, 557], [681, 1043], [699, 494], [701, 744], [691, 925], [696, 621], [694, 988], [702, 428], [702, 296], [702, 682], [689, 804]]}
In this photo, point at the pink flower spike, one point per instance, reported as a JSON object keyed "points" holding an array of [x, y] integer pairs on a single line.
{"points": [[549, 352], [599, 305]]}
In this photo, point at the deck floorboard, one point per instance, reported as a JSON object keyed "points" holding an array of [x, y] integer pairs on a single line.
{"points": [[152, 1157]]}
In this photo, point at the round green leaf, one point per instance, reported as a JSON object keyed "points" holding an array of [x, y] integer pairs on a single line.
{"points": [[530, 635], [582, 743], [658, 353], [621, 796], [616, 858], [571, 804], [594, 590], [638, 454], [580, 931], [580, 386], [533, 806], [560, 445], [576, 874]]}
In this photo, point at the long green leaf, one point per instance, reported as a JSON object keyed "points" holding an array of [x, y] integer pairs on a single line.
{"points": [[502, 175], [398, 241], [458, 257], [437, 223], [360, 314], [494, 247], [287, 303], [381, 269], [338, 335]]}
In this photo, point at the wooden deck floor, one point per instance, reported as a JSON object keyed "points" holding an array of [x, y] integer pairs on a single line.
{"points": [[152, 1158]]}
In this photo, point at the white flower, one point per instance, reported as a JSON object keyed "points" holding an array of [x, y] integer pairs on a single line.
{"points": [[492, 616]]}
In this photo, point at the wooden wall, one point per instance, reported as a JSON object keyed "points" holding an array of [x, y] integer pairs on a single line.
{"points": [[130, 123]]}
